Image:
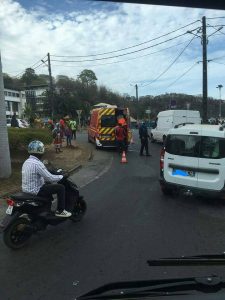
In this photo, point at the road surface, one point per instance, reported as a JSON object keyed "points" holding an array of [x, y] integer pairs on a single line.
{"points": [[128, 222]]}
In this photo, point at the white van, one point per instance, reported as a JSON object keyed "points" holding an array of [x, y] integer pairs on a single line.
{"points": [[169, 118], [193, 159]]}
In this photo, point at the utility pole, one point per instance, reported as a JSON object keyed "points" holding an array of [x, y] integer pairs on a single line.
{"points": [[136, 87], [5, 162], [51, 84], [219, 87], [204, 69]]}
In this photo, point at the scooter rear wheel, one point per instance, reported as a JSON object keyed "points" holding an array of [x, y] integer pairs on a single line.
{"points": [[17, 235], [79, 211]]}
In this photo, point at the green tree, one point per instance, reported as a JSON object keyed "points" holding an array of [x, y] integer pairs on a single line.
{"points": [[11, 83], [87, 77], [29, 76], [29, 114]]}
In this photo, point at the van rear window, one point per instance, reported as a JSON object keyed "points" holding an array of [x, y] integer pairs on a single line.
{"points": [[212, 147], [108, 121], [196, 146], [185, 145]]}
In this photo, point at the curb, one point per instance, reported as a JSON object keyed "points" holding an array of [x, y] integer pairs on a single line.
{"points": [[75, 169], [3, 196]]}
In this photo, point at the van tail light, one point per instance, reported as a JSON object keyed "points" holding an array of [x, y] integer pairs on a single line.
{"points": [[162, 154], [10, 202]]}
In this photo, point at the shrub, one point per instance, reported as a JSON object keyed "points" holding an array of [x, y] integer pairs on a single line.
{"points": [[19, 138]]}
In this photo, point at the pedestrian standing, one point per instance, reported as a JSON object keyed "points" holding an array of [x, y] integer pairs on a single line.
{"points": [[50, 125], [57, 135], [73, 126], [14, 121], [68, 134], [120, 136], [144, 136]]}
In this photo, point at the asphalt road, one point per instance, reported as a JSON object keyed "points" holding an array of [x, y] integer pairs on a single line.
{"points": [[128, 222]]}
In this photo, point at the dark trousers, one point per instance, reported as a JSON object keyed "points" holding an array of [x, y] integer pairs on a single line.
{"points": [[47, 190], [74, 136], [144, 145], [120, 146], [68, 140]]}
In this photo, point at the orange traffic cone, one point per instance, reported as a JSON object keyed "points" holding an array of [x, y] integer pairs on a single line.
{"points": [[124, 159]]}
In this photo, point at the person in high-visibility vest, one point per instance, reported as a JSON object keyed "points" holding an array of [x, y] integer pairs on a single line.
{"points": [[73, 126], [120, 135]]}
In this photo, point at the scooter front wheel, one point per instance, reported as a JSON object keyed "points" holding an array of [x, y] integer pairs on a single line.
{"points": [[79, 211], [17, 234]]}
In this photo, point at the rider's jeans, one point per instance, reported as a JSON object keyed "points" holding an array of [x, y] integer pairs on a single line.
{"points": [[50, 189]]}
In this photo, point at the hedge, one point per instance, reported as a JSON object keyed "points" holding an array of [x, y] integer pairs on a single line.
{"points": [[19, 138]]}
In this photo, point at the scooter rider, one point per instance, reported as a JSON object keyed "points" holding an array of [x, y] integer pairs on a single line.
{"points": [[37, 180]]}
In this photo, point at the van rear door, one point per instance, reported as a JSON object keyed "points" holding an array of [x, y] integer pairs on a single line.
{"points": [[212, 163], [181, 158], [107, 125]]}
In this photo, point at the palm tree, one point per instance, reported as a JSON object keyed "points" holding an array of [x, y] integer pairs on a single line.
{"points": [[5, 162]]}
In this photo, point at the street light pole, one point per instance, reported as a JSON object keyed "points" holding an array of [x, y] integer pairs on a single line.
{"points": [[219, 87], [137, 98]]}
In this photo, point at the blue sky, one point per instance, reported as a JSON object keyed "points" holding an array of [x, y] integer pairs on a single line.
{"points": [[82, 28], [67, 6]]}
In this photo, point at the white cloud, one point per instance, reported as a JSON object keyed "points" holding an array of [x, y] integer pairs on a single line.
{"points": [[27, 36]]}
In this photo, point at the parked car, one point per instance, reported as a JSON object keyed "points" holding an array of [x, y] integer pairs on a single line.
{"points": [[193, 160], [169, 118], [8, 122], [22, 123]]}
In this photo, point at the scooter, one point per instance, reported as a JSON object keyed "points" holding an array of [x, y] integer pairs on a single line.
{"points": [[27, 214]]}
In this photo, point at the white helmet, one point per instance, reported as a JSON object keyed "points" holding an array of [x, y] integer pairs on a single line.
{"points": [[36, 147]]}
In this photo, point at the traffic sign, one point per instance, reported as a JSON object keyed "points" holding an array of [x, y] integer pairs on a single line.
{"points": [[79, 111], [148, 111]]}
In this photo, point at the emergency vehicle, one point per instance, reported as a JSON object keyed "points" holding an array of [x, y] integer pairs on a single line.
{"points": [[103, 121]]}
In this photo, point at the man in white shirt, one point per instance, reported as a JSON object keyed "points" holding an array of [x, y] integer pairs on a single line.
{"points": [[37, 180]]}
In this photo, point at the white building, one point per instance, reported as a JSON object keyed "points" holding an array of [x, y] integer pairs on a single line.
{"points": [[14, 102]]}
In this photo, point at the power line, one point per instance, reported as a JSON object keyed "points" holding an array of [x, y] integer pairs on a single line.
{"points": [[216, 18], [119, 61], [217, 29], [173, 62], [30, 66], [109, 57], [217, 58], [217, 25], [126, 48], [182, 75], [216, 62], [42, 64]]}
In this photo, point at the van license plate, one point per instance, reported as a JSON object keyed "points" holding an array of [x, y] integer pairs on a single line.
{"points": [[9, 210], [183, 173]]}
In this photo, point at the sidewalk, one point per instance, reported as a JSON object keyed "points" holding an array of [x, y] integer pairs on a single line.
{"points": [[71, 158]]}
